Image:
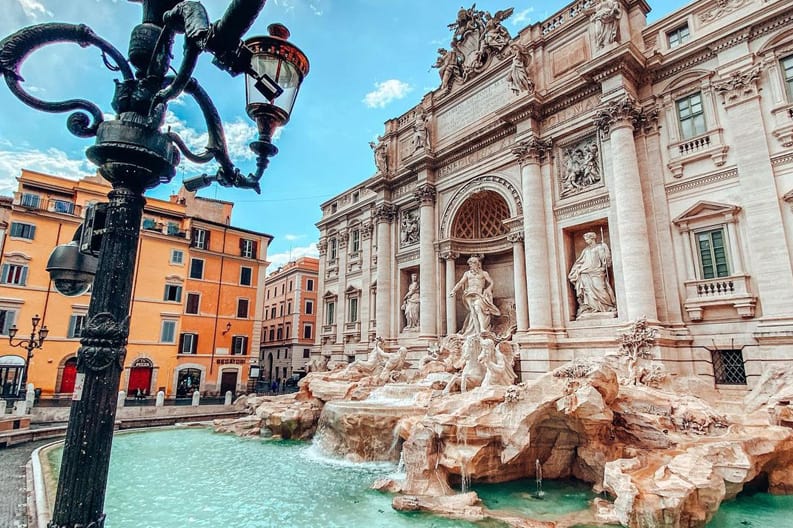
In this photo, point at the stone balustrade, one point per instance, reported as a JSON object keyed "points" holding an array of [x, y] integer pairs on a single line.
{"points": [[732, 291]]}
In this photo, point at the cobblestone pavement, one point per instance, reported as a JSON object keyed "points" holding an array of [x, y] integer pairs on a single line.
{"points": [[13, 506]]}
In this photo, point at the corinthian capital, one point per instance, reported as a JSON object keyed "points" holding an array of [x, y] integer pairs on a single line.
{"points": [[620, 112], [426, 194], [516, 237], [385, 212], [531, 150]]}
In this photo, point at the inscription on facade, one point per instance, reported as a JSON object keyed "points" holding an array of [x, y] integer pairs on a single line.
{"points": [[577, 109], [475, 156], [472, 108]]}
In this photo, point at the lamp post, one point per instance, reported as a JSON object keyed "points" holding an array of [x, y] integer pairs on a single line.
{"points": [[30, 344], [134, 153]]}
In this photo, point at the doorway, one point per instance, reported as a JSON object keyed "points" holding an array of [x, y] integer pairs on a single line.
{"points": [[140, 375], [228, 382], [69, 376]]}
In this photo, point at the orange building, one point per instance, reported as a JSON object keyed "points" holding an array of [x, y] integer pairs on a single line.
{"points": [[191, 328], [290, 321]]}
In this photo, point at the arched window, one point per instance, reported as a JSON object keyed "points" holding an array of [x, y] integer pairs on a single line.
{"points": [[481, 217], [11, 368]]}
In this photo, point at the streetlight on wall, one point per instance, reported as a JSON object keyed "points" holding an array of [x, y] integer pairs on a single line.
{"points": [[30, 344], [134, 154]]}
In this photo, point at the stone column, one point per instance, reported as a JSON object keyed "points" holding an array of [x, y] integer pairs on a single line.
{"points": [[519, 271], [384, 216], [366, 309], [617, 121], [771, 267], [428, 288], [536, 283], [322, 248], [451, 302], [341, 302]]}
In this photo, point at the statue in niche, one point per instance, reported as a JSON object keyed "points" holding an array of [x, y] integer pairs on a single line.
{"points": [[409, 227], [380, 150], [606, 20], [448, 65], [581, 167], [518, 77], [477, 289], [411, 304], [421, 135], [590, 277]]}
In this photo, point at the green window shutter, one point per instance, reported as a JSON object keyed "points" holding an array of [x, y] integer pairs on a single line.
{"points": [[706, 256]]}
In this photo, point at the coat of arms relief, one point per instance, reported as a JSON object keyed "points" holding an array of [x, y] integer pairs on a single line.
{"points": [[478, 36]]}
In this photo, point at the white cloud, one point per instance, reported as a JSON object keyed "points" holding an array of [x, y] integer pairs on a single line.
{"points": [[51, 161], [292, 238], [523, 17], [386, 92], [34, 9], [315, 8], [279, 259]]}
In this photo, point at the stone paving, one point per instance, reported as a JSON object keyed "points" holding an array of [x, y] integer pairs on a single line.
{"points": [[13, 505]]}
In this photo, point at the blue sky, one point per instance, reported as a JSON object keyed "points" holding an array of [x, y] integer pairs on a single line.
{"points": [[370, 61]]}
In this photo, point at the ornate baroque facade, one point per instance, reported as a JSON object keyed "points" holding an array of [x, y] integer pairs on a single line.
{"points": [[669, 145]]}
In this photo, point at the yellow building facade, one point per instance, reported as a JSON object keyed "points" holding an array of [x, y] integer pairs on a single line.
{"points": [[194, 295]]}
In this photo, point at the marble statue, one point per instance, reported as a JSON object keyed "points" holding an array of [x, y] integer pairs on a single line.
{"points": [[589, 275], [394, 365], [518, 77], [448, 66], [371, 366], [498, 362], [477, 289], [409, 228], [470, 370], [606, 21], [380, 150], [421, 135], [410, 304]]}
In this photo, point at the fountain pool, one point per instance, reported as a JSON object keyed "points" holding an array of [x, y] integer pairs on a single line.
{"points": [[195, 478]]}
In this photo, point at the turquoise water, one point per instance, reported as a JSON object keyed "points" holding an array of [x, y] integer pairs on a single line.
{"points": [[759, 510], [560, 497], [194, 478]]}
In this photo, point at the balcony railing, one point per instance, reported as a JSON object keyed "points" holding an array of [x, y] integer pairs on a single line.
{"points": [[708, 145], [731, 291]]}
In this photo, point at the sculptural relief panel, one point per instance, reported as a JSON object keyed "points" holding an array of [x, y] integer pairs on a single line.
{"points": [[580, 167], [409, 227]]}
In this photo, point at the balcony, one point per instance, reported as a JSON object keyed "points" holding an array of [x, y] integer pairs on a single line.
{"points": [[709, 145], [731, 291]]}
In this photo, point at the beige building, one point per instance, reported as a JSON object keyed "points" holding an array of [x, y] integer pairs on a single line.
{"points": [[671, 143], [288, 319]]}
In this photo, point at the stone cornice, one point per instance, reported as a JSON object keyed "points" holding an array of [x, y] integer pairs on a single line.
{"points": [[596, 203], [701, 181]]}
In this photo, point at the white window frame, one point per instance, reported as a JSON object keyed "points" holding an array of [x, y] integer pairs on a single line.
{"points": [[250, 275], [8, 320], [23, 230], [171, 323], [187, 303], [177, 260], [235, 345], [76, 326], [199, 238], [693, 118], [247, 248], [172, 287], [193, 343], [678, 36], [30, 200], [14, 274], [190, 271]]}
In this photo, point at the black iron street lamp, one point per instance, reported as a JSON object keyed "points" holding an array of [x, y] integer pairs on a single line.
{"points": [[134, 154], [30, 344]]}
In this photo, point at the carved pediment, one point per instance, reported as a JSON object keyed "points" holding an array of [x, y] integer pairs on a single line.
{"points": [[329, 295], [705, 211]]}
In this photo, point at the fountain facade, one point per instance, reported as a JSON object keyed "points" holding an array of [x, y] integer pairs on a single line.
{"points": [[666, 450]]}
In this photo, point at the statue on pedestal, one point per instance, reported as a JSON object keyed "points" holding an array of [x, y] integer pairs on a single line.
{"points": [[589, 275], [606, 19], [477, 289], [411, 304]]}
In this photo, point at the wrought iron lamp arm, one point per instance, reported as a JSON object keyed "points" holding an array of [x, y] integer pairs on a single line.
{"points": [[17, 47]]}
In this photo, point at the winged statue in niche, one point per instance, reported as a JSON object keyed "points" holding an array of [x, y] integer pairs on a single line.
{"points": [[478, 36]]}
